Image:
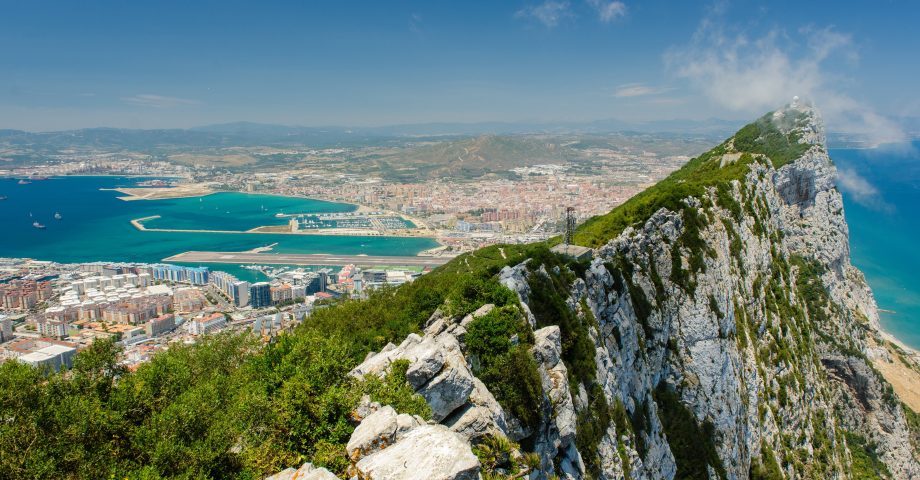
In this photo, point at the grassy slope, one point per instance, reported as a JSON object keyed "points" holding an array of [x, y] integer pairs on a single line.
{"points": [[700, 173]]}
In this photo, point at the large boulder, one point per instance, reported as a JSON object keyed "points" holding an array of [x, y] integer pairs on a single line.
{"points": [[379, 430], [429, 452], [481, 417], [437, 370]]}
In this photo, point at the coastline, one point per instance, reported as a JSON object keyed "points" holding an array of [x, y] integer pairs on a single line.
{"points": [[898, 364]]}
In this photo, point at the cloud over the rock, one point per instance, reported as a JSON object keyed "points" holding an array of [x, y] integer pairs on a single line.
{"points": [[752, 74]]}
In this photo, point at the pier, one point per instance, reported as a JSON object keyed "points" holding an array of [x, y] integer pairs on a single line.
{"points": [[318, 259]]}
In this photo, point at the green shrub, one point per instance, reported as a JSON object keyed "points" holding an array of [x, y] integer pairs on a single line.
{"points": [[514, 379], [692, 443], [866, 464], [591, 427], [508, 370], [766, 468]]}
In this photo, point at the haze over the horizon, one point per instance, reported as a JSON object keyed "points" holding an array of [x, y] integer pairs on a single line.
{"points": [[174, 64]]}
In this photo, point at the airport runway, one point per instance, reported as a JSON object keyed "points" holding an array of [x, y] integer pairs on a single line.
{"points": [[304, 259]]}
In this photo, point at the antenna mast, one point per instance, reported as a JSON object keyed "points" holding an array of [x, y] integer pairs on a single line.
{"points": [[569, 227]]}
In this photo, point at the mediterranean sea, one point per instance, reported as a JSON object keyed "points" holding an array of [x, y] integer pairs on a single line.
{"points": [[95, 224], [881, 196]]}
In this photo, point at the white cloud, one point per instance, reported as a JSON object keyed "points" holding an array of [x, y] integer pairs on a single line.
{"points": [[158, 101], [860, 190], [608, 11], [754, 75], [637, 90], [549, 13]]}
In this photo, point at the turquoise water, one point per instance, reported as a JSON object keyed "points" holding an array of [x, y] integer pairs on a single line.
{"points": [[96, 225], [884, 232]]}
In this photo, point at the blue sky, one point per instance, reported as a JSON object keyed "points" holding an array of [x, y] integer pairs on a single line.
{"points": [[139, 64]]}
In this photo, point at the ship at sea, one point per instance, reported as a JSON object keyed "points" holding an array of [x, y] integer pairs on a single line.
{"points": [[57, 216], [38, 225], [24, 182], [3, 197]]}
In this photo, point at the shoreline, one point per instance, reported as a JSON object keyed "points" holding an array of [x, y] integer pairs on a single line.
{"points": [[889, 337]]}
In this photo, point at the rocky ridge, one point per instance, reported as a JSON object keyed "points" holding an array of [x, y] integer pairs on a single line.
{"points": [[727, 338]]}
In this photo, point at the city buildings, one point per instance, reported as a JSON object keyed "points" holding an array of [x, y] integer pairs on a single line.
{"points": [[43, 353], [52, 328], [237, 291], [160, 325], [189, 300], [22, 295], [180, 274], [207, 324]]}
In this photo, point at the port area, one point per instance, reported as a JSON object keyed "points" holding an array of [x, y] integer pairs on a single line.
{"points": [[317, 259]]}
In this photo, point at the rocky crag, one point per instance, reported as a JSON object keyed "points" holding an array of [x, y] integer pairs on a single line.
{"points": [[722, 335]]}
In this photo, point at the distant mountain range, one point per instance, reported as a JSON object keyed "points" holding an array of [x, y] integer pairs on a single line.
{"points": [[250, 133]]}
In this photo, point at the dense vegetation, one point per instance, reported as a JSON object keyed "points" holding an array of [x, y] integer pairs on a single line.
{"points": [[706, 171]]}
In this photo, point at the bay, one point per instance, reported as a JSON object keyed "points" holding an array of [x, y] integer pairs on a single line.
{"points": [[95, 224]]}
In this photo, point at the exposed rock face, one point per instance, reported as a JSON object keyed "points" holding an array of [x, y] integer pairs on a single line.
{"points": [[760, 346], [380, 430], [739, 361], [558, 435], [429, 452]]}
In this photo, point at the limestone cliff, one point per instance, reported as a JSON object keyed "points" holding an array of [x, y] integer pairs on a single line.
{"points": [[726, 337]]}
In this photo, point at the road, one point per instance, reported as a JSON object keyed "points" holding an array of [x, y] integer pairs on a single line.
{"points": [[304, 259]]}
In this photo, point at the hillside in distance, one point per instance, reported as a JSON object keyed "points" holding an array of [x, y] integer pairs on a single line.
{"points": [[247, 147]]}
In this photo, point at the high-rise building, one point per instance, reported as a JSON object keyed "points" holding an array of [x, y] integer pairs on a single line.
{"points": [[240, 293], [260, 295], [6, 329], [325, 274]]}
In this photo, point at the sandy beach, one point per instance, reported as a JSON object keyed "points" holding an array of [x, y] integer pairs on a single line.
{"points": [[899, 364]]}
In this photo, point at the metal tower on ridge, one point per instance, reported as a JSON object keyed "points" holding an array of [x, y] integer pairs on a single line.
{"points": [[569, 226]]}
